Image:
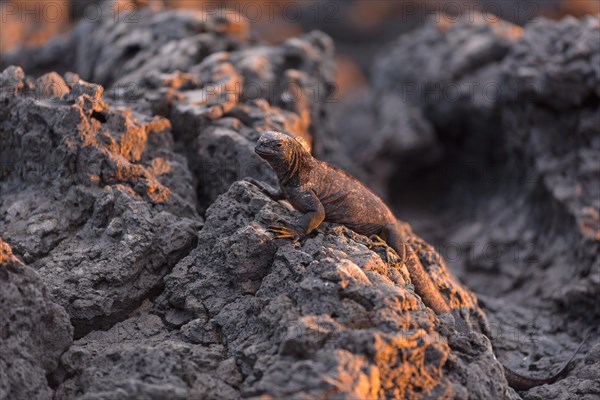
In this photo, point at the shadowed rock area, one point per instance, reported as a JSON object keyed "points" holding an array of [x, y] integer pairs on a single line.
{"points": [[495, 160], [127, 208], [34, 330]]}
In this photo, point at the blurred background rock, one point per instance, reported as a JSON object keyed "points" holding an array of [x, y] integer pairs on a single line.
{"points": [[360, 28]]}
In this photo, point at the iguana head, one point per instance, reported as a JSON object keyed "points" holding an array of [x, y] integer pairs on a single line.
{"points": [[278, 148], [286, 155]]}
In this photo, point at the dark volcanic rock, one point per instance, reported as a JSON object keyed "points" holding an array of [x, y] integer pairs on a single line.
{"points": [[220, 107], [244, 315], [582, 383], [552, 125], [119, 42], [139, 358], [385, 138], [93, 197], [423, 86], [325, 317], [96, 201], [434, 94], [514, 177], [546, 237], [529, 147], [34, 331], [201, 71]]}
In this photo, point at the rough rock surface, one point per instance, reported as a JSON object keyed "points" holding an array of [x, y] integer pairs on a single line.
{"points": [[93, 197], [512, 193], [552, 124], [551, 121], [220, 107], [34, 331], [139, 358], [244, 315], [100, 200], [203, 73]]}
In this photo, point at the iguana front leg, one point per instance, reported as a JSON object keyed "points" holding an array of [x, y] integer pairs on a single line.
{"points": [[273, 193], [314, 214]]}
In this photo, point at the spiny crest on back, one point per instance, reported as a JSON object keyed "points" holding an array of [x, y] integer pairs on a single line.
{"points": [[303, 143]]}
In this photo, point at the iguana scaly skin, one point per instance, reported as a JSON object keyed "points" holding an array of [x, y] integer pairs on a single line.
{"points": [[322, 192]]}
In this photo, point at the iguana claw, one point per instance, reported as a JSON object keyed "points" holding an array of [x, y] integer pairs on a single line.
{"points": [[284, 232], [379, 242]]}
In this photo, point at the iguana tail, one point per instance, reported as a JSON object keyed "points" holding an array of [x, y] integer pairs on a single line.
{"points": [[424, 285], [520, 382]]}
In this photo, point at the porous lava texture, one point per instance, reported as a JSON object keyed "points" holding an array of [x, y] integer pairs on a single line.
{"points": [[495, 160], [140, 266], [34, 330], [93, 197], [246, 316]]}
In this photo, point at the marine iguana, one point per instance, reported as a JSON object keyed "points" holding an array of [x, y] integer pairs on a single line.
{"points": [[325, 193]]}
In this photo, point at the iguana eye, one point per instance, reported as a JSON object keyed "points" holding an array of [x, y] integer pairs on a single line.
{"points": [[279, 144]]}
